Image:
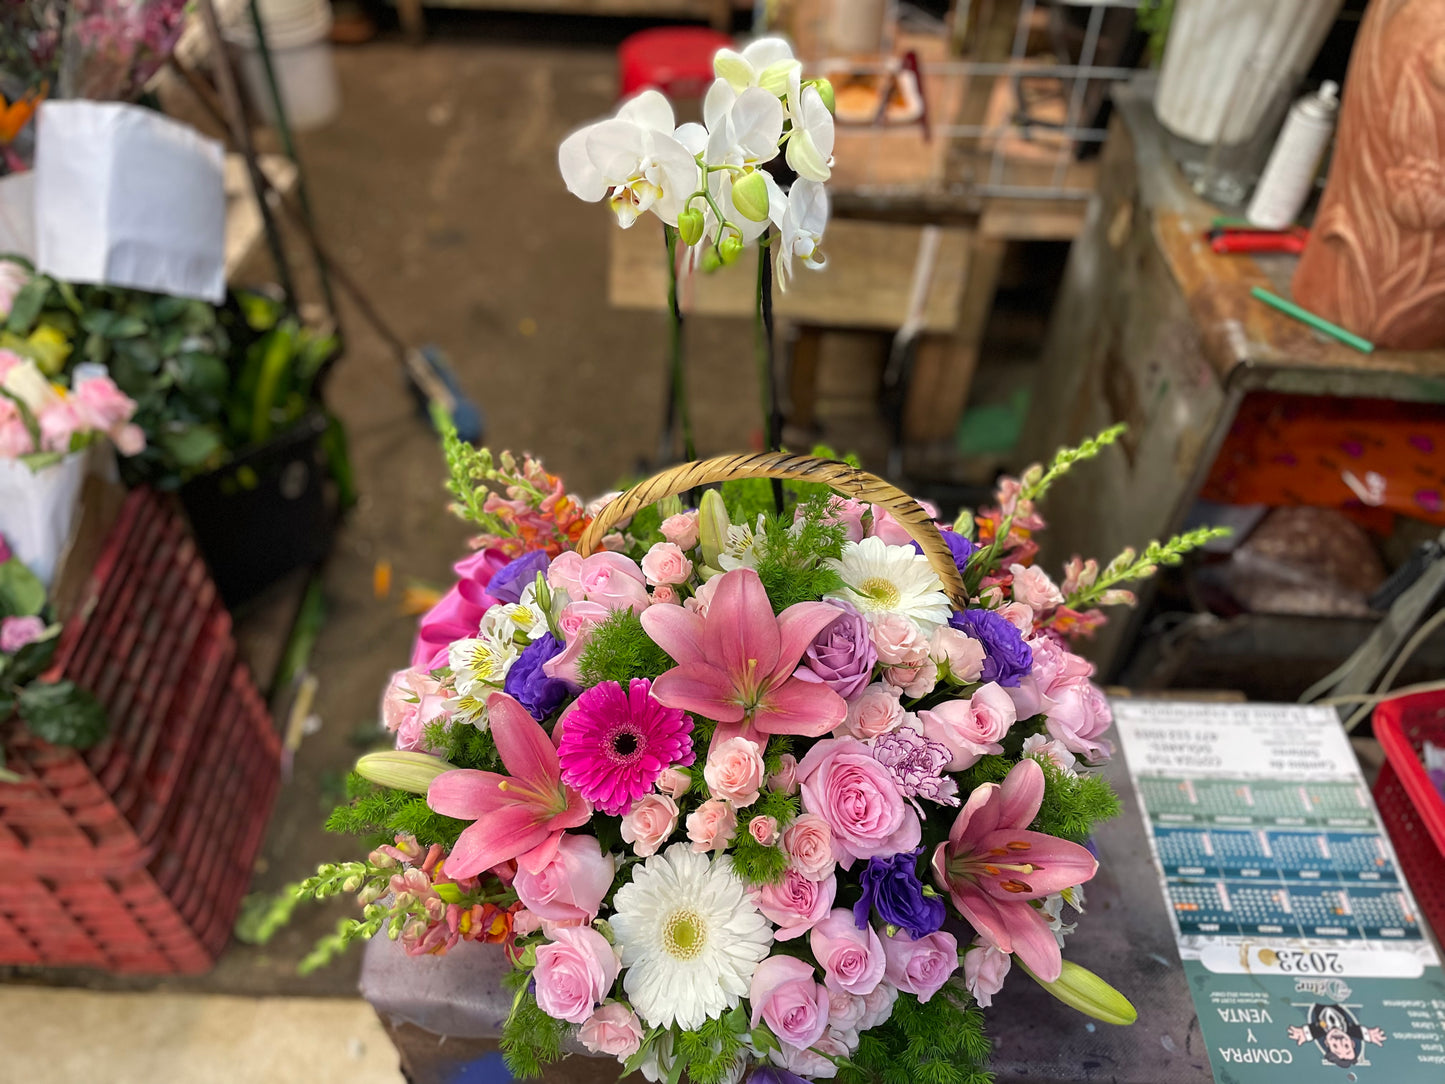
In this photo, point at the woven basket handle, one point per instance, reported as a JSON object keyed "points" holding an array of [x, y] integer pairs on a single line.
{"points": [[855, 483]]}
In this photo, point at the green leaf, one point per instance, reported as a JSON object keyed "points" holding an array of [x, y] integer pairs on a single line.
{"points": [[98, 321], [21, 592], [449, 893], [192, 445], [62, 714], [127, 327], [28, 303]]}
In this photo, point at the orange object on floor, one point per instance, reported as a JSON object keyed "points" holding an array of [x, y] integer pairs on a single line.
{"points": [[1372, 458]]}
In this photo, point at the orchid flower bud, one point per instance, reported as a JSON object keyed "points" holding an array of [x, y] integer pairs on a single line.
{"points": [[825, 91], [690, 226], [729, 249], [711, 261], [400, 770], [750, 197]]}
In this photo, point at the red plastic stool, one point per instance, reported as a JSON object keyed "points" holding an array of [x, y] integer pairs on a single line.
{"points": [[675, 59]]}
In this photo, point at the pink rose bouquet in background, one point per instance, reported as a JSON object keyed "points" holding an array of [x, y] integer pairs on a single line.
{"points": [[41, 421], [742, 789]]}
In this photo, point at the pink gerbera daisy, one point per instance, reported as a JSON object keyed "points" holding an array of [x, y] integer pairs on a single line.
{"points": [[616, 743]]}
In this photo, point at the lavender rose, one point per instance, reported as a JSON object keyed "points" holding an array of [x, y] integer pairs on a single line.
{"points": [[841, 656], [891, 885], [510, 581], [529, 684], [1006, 658]]}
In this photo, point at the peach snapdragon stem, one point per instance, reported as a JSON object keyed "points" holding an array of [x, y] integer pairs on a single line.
{"points": [[767, 362]]}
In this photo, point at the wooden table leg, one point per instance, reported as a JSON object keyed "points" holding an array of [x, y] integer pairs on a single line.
{"points": [[413, 20]]}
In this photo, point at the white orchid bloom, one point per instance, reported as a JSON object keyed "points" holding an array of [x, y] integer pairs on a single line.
{"points": [[633, 160], [810, 142], [767, 63], [743, 129], [801, 219]]}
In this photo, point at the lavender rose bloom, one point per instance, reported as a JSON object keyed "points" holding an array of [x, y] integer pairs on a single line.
{"points": [[532, 688], [841, 656], [1006, 658], [512, 579], [892, 886]]}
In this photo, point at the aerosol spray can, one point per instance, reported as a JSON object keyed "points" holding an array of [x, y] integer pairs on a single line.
{"points": [[1290, 173]]}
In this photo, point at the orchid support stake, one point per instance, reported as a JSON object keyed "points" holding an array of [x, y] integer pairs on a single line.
{"points": [[677, 413], [767, 362]]}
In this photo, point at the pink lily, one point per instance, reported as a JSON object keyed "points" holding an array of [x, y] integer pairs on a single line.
{"points": [[992, 866], [513, 815], [735, 666]]}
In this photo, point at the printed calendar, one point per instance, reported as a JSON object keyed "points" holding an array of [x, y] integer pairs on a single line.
{"points": [[1304, 950]]}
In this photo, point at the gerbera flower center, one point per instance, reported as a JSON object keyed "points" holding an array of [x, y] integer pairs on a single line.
{"points": [[884, 592], [684, 935], [625, 744]]}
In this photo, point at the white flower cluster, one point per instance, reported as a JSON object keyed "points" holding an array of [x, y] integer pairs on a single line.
{"points": [[707, 180]]}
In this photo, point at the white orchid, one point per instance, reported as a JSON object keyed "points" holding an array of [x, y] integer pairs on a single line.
{"points": [[768, 63], [801, 218], [743, 129], [810, 138], [633, 160]]}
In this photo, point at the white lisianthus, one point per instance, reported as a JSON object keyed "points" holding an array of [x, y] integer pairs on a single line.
{"points": [[767, 63]]}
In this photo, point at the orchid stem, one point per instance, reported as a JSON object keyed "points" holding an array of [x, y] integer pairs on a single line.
{"points": [[767, 364], [677, 412]]}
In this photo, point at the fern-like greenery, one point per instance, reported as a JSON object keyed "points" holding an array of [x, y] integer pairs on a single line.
{"points": [[942, 1042], [709, 1055], [753, 862], [378, 814], [621, 650], [1072, 804], [790, 558], [531, 1040], [462, 745]]}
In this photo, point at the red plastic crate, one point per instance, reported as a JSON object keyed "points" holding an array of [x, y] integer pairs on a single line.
{"points": [[134, 855], [1410, 806]]}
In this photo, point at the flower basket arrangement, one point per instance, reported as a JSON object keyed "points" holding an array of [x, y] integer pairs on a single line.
{"points": [[745, 791]]}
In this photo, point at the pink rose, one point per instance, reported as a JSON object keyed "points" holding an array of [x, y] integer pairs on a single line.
{"points": [[849, 513], [784, 994], [1033, 588], [734, 771], [574, 972], [58, 424], [1036, 745], [785, 778], [129, 440], [681, 529], [565, 574], [702, 597], [15, 439], [852, 959], [984, 969], [846, 1011], [566, 880], [898, 640], [889, 529], [18, 632], [100, 405], [808, 1061], [970, 728], [915, 681], [613, 1030], [649, 822], [878, 1006], [843, 784], [962, 654], [876, 710], [1078, 716], [411, 701], [764, 830], [575, 622], [674, 782], [665, 563], [809, 843], [796, 903], [524, 923], [711, 825], [920, 967], [664, 595], [613, 580], [1018, 614]]}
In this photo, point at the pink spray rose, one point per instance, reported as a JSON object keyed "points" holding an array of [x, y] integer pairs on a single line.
{"points": [[843, 784], [962, 654], [1051, 749], [784, 994], [920, 967], [702, 597], [1078, 717], [664, 595], [764, 830], [878, 1006], [565, 880], [984, 969], [574, 972], [411, 701], [846, 1011], [711, 826], [18, 632], [877, 710], [970, 728], [796, 903], [674, 782], [785, 778], [915, 681], [1034, 589], [575, 622], [15, 439], [681, 529], [613, 1030], [665, 563], [808, 1061], [809, 843], [898, 640], [99, 404], [649, 822], [852, 959], [735, 772]]}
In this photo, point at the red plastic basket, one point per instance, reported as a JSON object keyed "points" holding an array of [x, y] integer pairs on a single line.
{"points": [[1411, 807], [134, 855]]}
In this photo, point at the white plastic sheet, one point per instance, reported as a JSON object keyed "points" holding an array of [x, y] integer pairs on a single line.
{"points": [[127, 197]]}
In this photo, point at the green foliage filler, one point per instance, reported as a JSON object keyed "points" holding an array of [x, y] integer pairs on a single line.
{"points": [[754, 863], [1072, 805], [621, 650], [942, 1042], [709, 1055], [378, 814], [790, 559], [531, 1040], [462, 745]]}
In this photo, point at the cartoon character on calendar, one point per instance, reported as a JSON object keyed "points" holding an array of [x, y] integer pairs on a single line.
{"points": [[1341, 1039]]}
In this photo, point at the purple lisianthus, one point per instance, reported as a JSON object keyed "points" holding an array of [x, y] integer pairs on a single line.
{"points": [[1006, 658], [891, 886], [961, 548], [4, 550], [532, 688], [512, 579], [771, 1074], [841, 656]]}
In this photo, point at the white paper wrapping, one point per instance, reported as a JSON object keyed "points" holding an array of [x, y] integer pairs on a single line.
{"points": [[38, 508], [127, 197], [17, 215]]}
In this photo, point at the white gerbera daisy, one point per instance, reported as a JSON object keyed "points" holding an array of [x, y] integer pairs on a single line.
{"points": [[690, 938], [880, 578]]}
